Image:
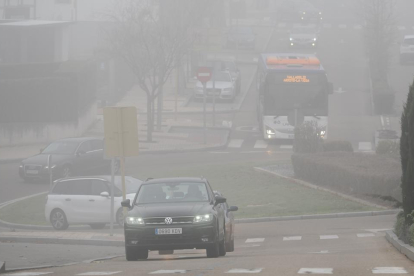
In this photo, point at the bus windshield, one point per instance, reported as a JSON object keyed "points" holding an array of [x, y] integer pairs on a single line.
{"points": [[285, 92]]}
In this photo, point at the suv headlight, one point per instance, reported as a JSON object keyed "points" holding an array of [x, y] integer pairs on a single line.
{"points": [[134, 221], [314, 39], [203, 218]]}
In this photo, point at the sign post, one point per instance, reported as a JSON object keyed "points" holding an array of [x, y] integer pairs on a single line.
{"points": [[204, 75], [49, 165], [121, 140]]}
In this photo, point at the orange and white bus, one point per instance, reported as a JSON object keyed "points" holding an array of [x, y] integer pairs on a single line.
{"points": [[292, 89]]}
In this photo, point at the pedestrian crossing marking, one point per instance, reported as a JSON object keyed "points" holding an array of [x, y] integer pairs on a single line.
{"points": [[96, 273], [179, 271], [255, 240], [315, 271], [235, 143], [241, 270], [389, 270], [365, 235], [328, 237], [292, 238], [30, 273], [260, 144]]}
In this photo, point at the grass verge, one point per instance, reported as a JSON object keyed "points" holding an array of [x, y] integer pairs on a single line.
{"points": [[256, 194]]}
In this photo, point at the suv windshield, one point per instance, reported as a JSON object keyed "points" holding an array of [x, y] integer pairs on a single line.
{"points": [[172, 192], [222, 76], [61, 147]]}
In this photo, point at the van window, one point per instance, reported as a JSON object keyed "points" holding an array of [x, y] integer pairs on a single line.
{"points": [[79, 187], [99, 186], [60, 189]]}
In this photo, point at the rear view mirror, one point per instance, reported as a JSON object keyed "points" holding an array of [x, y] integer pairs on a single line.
{"points": [[126, 203], [220, 200], [233, 208], [330, 88], [105, 194]]}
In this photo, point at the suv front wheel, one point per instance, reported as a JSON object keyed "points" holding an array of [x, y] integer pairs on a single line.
{"points": [[58, 220]]}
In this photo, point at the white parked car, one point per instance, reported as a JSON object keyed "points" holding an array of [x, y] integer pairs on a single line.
{"points": [[407, 49], [87, 200], [222, 86]]}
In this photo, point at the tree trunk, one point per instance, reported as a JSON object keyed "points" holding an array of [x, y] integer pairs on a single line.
{"points": [[160, 103], [149, 119]]}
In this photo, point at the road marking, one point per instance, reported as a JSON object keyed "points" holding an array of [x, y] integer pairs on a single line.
{"points": [[365, 235], [327, 25], [292, 238], [286, 146], [260, 144], [377, 230], [235, 143], [342, 26], [315, 271], [242, 270], [320, 252], [217, 152], [100, 273], [328, 237], [250, 245], [253, 151], [389, 270], [255, 240], [401, 28], [169, 272], [30, 273], [364, 146]]}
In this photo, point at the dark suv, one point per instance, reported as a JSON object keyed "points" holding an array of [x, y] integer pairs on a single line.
{"points": [[174, 213]]}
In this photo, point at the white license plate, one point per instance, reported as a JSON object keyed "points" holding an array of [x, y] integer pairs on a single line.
{"points": [[168, 231], [32, 171]]}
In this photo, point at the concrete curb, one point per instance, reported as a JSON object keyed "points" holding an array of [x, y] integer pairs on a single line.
{"points": [[402, 247], [312, 186], [320, 216], [61, 241]]}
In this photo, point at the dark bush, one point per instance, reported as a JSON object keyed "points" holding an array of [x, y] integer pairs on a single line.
{"points": [[307, 138], [357, 173], [337, 146], [390, 148]]}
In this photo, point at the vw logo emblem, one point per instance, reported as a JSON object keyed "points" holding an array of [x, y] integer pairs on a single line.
{"points": [[168, 220]]}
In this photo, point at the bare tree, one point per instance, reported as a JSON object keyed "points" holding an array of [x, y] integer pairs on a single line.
{"points": [[380, 33], [150, 45]]}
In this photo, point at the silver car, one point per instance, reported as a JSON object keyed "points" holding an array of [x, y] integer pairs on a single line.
{"points": [[304, 36], [221, 86]]}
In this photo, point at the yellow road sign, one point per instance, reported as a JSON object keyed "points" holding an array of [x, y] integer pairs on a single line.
{"points": [[121, 131]]}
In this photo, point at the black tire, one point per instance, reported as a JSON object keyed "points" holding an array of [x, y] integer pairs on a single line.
{"points": [[119, 217], [66, 171], [213, 250], [222, 245], [131, 253], [97, 225], [230, 247], [142, 254], [58, 220]]}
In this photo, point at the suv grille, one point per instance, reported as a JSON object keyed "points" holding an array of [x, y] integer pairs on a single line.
{"points": [[175, 220]]}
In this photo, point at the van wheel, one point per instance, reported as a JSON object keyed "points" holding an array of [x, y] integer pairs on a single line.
{"points": [[213, 250], [142, 254], [66, 171], [222, 245], [230, 247], [131, 253], [97, 225], [58, 220]]}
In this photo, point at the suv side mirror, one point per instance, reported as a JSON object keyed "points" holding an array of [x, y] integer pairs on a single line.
{"points": [[330, 88], [126, 203], [105, 194], [220, 200], [233, 209]]}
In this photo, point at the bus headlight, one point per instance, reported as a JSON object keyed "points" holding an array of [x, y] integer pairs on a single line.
{"points": [[270, 131], [322, 133]]}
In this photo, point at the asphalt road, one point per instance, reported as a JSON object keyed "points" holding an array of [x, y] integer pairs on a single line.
{"points": [[349, 246]]}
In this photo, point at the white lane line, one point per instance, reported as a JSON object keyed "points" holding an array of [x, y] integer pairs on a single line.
{"points": [[342, 26], [328, 237], [315, 271], [365, 235], [169, 272], [260, 144], [401, 28], [292, 238], [389, 270], [100, 273], [255, 240], [30, 273], [235, 143], [286, 146], [364, 146], [250, 245], [242, 270], [377, 230], [321, 252], [219, 152]]}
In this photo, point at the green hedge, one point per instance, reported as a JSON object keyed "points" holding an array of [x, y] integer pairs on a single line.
{"points": [[337, 146], [357, 173]]}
